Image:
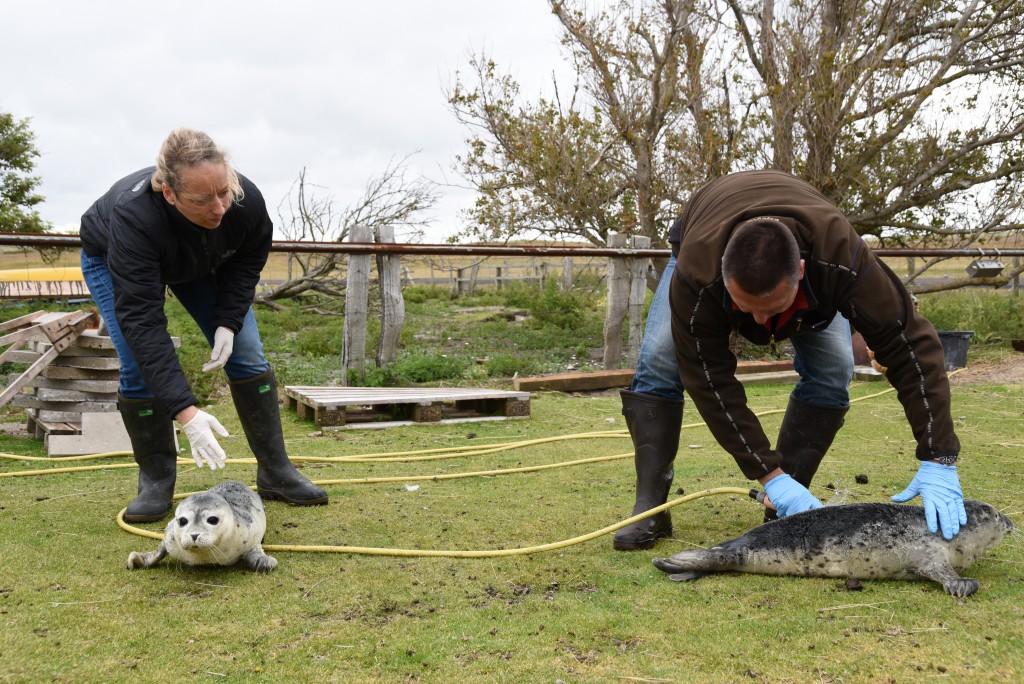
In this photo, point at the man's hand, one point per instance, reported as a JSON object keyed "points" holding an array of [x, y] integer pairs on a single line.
{"points": [[223, 344], [199, 431], [787, 496], [939, 487]]}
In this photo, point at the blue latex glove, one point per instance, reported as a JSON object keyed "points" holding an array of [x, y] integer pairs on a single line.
{"points": [[789, 496], [939, 487]]}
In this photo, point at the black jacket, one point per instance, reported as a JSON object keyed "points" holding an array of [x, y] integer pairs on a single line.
{"points": [[148, 245]]}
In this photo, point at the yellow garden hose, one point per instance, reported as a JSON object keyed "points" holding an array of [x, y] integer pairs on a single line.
{"points": [[452, 553]]}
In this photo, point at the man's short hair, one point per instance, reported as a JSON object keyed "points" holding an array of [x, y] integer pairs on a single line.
{"points": [[761, 253]]}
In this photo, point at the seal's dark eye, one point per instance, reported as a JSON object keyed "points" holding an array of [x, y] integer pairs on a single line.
{"points": [[182, 521], [213, 520]]}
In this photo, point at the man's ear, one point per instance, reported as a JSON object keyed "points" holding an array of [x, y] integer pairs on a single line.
{"points": [[169, 196], [801, 261]]}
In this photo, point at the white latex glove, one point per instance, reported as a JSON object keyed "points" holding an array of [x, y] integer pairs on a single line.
{"points": [[199, 432], [223, 344]]}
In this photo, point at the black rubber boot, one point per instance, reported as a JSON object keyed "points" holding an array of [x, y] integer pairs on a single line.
{"points": [[805, 436], [654, 423], [276, 478], [151, 431]]}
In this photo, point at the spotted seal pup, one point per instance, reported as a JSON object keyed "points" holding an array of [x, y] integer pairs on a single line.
{"points": [[856, 541], [217, 527]]}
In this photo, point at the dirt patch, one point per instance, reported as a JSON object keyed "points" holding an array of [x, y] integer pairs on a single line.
{"points": [[1007, 371]]}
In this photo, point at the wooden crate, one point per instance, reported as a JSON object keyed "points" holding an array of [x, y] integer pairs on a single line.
{"points": [[368, 407]]}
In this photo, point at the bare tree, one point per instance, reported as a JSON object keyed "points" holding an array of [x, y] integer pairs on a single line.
{"points": [[308, 213], [909, 114], [641, 125]]}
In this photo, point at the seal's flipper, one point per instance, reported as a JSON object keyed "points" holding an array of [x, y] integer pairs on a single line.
{"points": [[258, 561], [686, 576], [939, 570], [138, 560], [702, 561]]}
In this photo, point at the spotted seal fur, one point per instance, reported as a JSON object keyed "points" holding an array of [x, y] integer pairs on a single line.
{"points": [[856, 541], [217, 527]]}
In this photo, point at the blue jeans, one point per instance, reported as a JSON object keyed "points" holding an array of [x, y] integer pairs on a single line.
{"points": [[656, 370], [199, 298], [823, 359]]}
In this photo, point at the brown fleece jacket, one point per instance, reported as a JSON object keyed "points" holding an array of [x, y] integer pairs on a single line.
{"points": [[841, 276]]}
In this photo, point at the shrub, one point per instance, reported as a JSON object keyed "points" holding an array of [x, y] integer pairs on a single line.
{"points": [[507, 365], [418, 294], [322, 336], [411, 369], [305, 369], [992, 315]]}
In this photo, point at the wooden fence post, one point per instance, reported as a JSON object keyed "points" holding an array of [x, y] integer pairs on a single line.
{"points": [[457, 285], [1016, 278], [390, 272], [567, 274], [357, 294], [637, 297], [618, 296], [464, 285]]}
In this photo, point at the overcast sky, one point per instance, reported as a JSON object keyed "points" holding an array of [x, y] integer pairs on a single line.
{"points": [[340, 87]]}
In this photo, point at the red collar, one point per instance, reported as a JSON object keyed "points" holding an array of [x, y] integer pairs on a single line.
{"points": [[799, 304], [779, 320]]}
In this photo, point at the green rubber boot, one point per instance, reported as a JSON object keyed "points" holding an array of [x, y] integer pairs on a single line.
{"points": [[276, 478], [654, 423], [151, 431], [806, 433]]}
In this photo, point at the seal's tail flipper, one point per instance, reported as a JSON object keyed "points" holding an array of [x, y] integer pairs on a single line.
{"points": [[697, 562]]}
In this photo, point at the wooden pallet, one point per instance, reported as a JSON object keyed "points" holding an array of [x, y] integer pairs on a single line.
{"points": [[70, 390], [365, 407]]}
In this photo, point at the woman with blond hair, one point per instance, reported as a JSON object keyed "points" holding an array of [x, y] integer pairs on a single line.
{"points": [[192, 225]]}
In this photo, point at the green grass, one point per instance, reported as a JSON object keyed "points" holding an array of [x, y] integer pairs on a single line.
{"points": [[585, 613], [69, 611]]}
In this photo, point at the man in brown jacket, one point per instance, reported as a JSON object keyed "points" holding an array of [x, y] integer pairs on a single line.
{"points": [[767, 255]]}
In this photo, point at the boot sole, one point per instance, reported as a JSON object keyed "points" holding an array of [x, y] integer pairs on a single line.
{"points": [[640, 545], [146, 518], [271, 495]]}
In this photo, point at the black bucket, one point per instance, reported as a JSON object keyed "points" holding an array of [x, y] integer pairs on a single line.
{"points": [[954, 347]]}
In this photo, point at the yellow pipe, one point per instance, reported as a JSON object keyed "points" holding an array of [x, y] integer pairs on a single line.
{"points": [[455, 553]]}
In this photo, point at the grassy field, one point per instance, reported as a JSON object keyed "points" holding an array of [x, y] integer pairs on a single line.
{"points": [[70, 611], [585, 613]]}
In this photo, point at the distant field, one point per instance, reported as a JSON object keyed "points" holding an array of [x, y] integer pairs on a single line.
{"points": [[444, 268]]}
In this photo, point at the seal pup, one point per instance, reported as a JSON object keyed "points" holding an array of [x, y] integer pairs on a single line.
{"points": [[217, 527], [855, 541]]}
